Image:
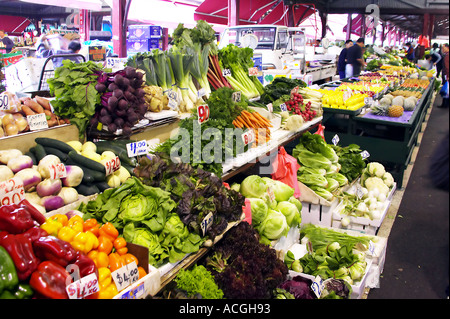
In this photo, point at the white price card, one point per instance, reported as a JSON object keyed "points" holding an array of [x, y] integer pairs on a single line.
{"points": [[84, 287], [125, 276], [283, 107], [115, 63], [226, 72], [271, 194], [137, 148], [172, 95], [201, 93], [317, 286], [11, 191], [57, 171], [335, 140], [248, 137], [270, 107], [4, 101], [359, 191], [203, 113], [365, 154], [206, 223], [368, 101], [112, 165], [236, 97], [173, 104], [37, 121], [371, 248]]}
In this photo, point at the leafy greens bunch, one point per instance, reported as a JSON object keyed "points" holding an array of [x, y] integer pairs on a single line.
{"points": [[350, 159], [145, 215], [196, 193]]}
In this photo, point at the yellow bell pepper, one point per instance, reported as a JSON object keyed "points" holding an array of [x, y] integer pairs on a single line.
{"points": [[108, 292], [107, 287], [62, 218], [76, 223], [52, 226], [66, 233], [100, 258], [84, 242]]}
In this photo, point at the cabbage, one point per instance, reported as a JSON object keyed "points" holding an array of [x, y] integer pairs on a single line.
{"points": [[309, 170], [340, 178], [259, 210], [290, 211], [322, 192], [313, 180], [332, 184], [253, 186], [296, 202], [274, 226], [313, 160], [281, 190]]}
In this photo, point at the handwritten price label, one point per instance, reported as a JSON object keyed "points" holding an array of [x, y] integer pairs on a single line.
{"points": [[4, 101], [226, 72], [112, 165], [203, 113], [11, 191], [283, 107], [137, 148], [57, 171], [207, 222], [125, 276], [236, 97], [84, 287], [317, 286], [335, 140], [115, 63], [253, 71], [248, 137], [365, 154]]}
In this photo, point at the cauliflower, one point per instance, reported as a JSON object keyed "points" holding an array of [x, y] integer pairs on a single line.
{"points": [[294, 123], [376, 169], [374, 182], [388, 179]]}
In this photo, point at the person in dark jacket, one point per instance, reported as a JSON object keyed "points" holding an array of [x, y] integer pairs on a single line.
{"points": [[343, 59], [7, 42], [439, 165], [73, 48], [445, 72], [355, 59]]}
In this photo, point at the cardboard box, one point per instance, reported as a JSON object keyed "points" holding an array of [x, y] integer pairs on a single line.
{"points": [[142, 45], [144, 31]]}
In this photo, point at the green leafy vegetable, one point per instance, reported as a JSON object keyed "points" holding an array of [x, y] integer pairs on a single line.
{"points": [[198, 280]]}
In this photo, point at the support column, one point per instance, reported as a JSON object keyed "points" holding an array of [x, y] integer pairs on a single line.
{"points": [[323, 18], [431, 27], [363, 26], [85, 23], [383, 32], [233, 12], [349, 26], [119, 28]]}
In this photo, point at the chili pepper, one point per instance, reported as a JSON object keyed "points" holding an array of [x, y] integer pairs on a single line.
{"points": [[76, 223], [35, 233], [84, 242], [8, 273], [108, 230], [54, 249], [120, 244], [66, 233], [91, 225], [100, 259], [115, 261], [15, 220], [20, 248], [52, 226], [50, 280], [105, 244]]}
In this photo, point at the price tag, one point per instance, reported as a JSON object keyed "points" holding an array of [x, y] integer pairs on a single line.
{"points": [[359, 191], [368, 101], [11, 191], [226, 72], [271, 194], [134, 293], [172, 104], [4, 101], [371, 249], [365, 154], [112, 165], [137, 148], [115, 63], [317, 286], [201, 93], [37, 122], [125, 276], [335, 140], [203, 113], [270, 107], [248, 137], [206, 223], [57, 171], [84, 287], [236, 97], [253, 71], [283, 107], [172, 95]]}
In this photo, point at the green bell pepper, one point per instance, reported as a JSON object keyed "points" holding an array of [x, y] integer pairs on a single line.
{"points": [[8, 273]]}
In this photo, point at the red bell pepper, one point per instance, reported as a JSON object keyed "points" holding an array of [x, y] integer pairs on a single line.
{"points": [[85, 264], [20, 248], [15, 220], [50, 280], [35, 233], [54, 249], [35, 214]]}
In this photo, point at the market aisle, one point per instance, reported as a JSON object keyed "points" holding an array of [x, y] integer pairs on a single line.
{"points": [[417, 257]]}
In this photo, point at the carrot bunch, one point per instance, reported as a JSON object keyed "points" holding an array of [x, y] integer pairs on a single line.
{"points": [[255, 121]]}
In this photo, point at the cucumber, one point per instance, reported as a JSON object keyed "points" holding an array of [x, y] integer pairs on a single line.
{"points": [[51, 150], [96, 175], [87, 189], [39, 152], [102, 186], [116, 149], [32, 156], [51, 142], [128, 168], [86, 162]]}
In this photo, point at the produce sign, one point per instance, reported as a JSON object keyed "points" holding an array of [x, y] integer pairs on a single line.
{"points": [[137, 148], [84, 287], [11, 191], [203, 113], [37, 122]]}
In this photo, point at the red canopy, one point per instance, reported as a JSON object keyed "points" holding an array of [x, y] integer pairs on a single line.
{"points": [[13, 25], [357, 24], [250, 12]]}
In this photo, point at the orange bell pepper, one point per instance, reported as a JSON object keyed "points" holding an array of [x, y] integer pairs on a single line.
{"points": [[76, 223], [115, 262], [60, 218], [141, 272], [108, 230], [91, 225], [129, 258], [104, 244], [120, 245], [100, 258]]}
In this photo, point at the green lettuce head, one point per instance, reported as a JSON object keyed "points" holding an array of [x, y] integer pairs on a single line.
{"points": [[253, 186], [144, 237], [296, 202], [259, 210], [281, 191], [274, 226], [137, 207], [290, 211]]}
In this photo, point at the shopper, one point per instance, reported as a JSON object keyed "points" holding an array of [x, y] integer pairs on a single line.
{"points": [[73, 48], [427, 63], [355, 59], [43, 47], [445, 72], [439, 165], [409, 52], [8, 44], [437, 50], [343, 59]]}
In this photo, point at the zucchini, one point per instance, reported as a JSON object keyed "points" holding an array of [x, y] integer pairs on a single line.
{"points": [[116, 149], [39, 152], [87, 189], [86, 162], [102, 186], [51, 142], [51, 150], [32, 156], [129, 168], [96, 175]]}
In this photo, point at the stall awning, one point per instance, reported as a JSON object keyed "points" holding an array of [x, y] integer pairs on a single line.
{"points": [[13, 25], [250, 12], [95, 5], [357, 25]]}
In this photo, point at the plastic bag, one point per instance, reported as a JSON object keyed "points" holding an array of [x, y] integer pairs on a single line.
{"points": [[285, 169], [320, 131], [444, 90]]}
